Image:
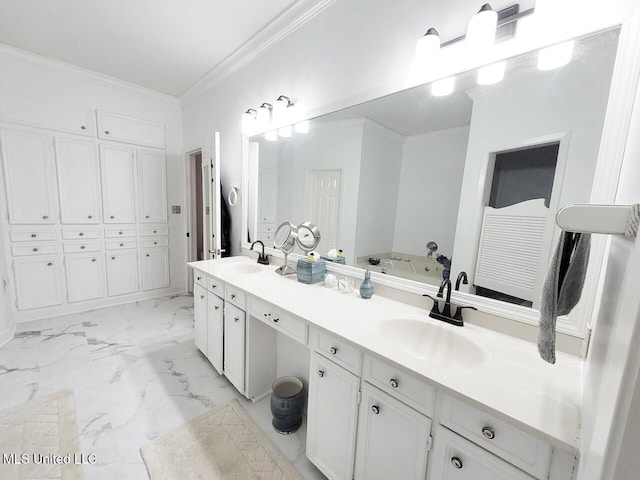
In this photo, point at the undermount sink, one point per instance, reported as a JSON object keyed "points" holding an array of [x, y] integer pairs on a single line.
{"points": [[438, 344], [244, 268]]}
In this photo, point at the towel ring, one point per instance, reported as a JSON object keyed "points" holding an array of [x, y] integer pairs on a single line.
{"points": [[233, 195]]}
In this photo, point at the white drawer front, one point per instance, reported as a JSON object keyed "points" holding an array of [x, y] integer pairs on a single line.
{"points": [[154, 231], [32, 235], [235, 296], [68, 247], [33, 249], [200, 278], [403, 385], [119, 232], [216, 286], [522, 449], [79, 233], [120, 244], [282, 322], [155, 242], [455, 458], [340, 351]]}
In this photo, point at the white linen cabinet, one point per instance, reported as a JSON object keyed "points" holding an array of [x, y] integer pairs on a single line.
{"points": [[85, 276], [38, 281], [78, 181], [117, 170], [27, 162], [152, 186]]}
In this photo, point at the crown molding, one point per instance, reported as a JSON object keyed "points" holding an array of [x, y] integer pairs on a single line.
{"points": [[84, 74], [290, 20]]}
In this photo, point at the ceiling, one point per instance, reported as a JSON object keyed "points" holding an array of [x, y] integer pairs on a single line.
{"points": [[164, 45]]}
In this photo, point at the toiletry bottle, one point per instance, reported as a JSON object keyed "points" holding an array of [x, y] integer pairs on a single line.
{"points": [[366, 288]]}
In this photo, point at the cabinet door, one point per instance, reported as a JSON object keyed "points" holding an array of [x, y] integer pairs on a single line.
{"points": [[215, 342], [155, 268], [118, 185], [112, 126], [268, 196], [27, 161], [122, 272], [234, 328], [37, 282], [392, 438], [456, 458], [332, 417], [78, 181], [85, 277], [152, 182], [200, 321]]}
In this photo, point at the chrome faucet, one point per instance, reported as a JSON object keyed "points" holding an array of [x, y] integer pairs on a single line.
{"points": [[262, 258], [462, 276]]}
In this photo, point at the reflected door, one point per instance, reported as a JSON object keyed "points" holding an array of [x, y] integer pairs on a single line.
{"points": [[211, 221], [322, 205]]}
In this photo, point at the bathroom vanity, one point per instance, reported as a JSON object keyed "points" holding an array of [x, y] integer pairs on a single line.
{"points": [[392, 393]]}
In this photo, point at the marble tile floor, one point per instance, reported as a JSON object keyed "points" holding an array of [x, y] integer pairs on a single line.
{"points": [[136, 374]]}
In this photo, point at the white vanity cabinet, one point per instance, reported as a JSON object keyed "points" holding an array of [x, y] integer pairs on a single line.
{"points": [[393, 439], [215, 331], [117, 171], [78, 181], [332, 417], [29, 177], [234, 345], [200, 315], [208, 298]]}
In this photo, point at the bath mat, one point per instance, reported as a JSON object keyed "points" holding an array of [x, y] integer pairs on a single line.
{"points": [[224, 444], [35, 434]]}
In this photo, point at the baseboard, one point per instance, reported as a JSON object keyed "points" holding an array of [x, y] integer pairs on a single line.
{"points": [[7, 334]]}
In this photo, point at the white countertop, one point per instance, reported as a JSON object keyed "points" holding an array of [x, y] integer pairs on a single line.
{"points": [[512, 380]]}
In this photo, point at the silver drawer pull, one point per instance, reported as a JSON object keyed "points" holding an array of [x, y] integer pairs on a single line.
{"points": [[233, 295], [106, 132], [266, 315], [82, 247], [213, 285], [146, 216], [216, 307], [488, 433], [82, 127], [375, 409], [113, 258], [119, 233], [236, 319], [155, 231], [89, 216], [45, 217], [275, 320], [49, 264], [93, 259], [321, 373], [333, 350], [147, 254], [112, 217], [201, 297], [81, 234], [456, 462], [33, 235], [35, 249], [155, 243], [198, 278], [122, 244], [393, 382]]}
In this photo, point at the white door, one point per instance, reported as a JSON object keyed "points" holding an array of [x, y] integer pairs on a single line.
{"points": [[78, 181], [322, 205], [392, 438], [85, 276], [152, 186], [155, 268], [215, 342], [29, 178], [37, 282], [234, 328], [200, 317], [332, 416], [118, 185], [211, 222], [122, 272]]}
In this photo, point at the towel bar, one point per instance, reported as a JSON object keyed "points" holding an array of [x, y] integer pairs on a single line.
{"points": [[607, 219]]}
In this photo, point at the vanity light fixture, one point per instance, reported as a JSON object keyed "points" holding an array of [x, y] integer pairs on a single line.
{"points": [[442, 87], [249, 120], [427, 47], [481, 29], [264, 114], [555, 56], [272, 136], [490, 74], [280, 107], [302, 127]]}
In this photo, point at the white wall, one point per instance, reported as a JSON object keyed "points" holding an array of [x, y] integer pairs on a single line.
{"points": [[571, 100], [431, 176], [32, 75], [378, 189]]}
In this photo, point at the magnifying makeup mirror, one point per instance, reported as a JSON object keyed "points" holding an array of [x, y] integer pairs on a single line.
{"points": [[308, 237], [285, 239]]}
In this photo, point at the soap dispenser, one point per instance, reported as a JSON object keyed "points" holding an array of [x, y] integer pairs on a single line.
{"points": [[366, 288]]}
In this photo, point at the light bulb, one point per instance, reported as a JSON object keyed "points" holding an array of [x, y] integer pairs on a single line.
{"points": [[491, 73], [427, 47], [302, 127], [248, 121], [442, 87], [264, 115], [285, 132], [272, 136], [280, 107], [481, 29], [555, 56]]}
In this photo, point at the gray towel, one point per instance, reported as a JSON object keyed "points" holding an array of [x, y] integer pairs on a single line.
{"points": [[562, 288]]}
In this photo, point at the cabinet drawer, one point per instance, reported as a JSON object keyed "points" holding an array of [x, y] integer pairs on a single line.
{"points": [[155, 242], [455, 458], [119, 232], [31, 235], [68, 247], [154, 231], [401, 384], [75, 233], [340, 351], [522, 449], [200, 278], [120, 244], [282, 322], [235, 296], [33, 249], [216, 286]]}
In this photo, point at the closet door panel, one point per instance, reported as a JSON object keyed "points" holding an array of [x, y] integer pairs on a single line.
{"points": [[117, 171]]}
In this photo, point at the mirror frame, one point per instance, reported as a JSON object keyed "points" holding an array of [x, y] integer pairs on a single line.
{"points": [[626, 74]]}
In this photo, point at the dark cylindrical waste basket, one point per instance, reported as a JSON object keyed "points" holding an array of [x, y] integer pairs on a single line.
{"points": [[287, 404]]}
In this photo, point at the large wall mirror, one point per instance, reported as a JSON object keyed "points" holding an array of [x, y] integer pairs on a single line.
{"points": [[480, 172]]}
